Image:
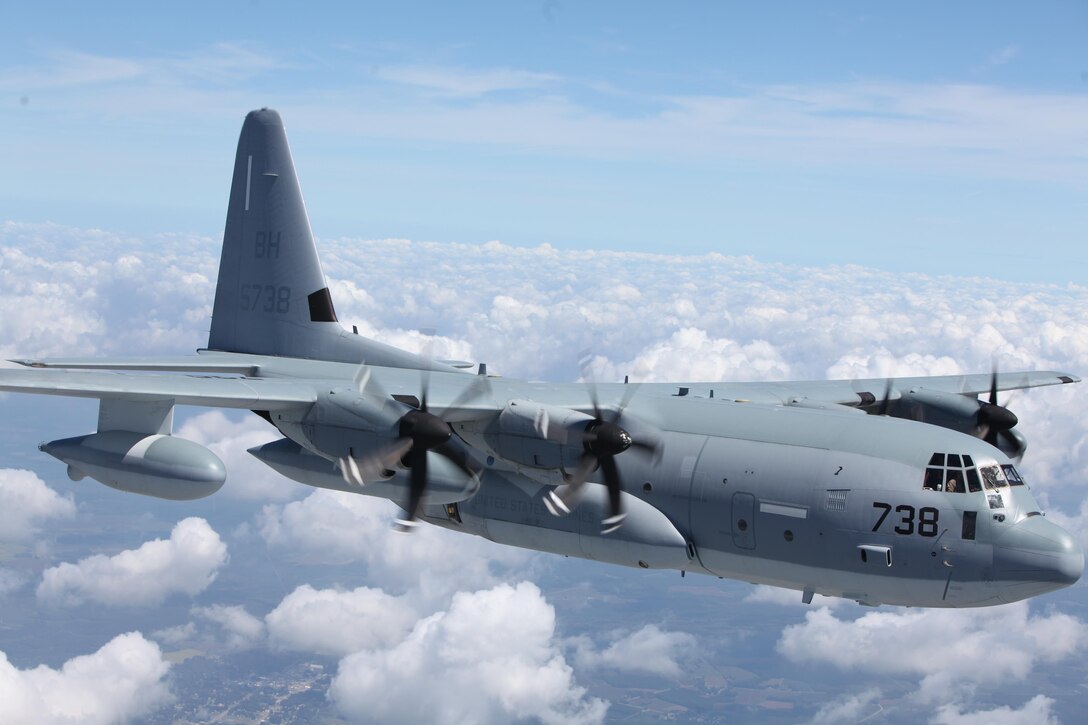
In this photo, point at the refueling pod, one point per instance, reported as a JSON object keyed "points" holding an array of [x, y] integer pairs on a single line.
{"points": [[153, 465]]}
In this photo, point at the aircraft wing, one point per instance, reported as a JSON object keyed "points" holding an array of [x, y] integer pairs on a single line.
{"points": [[202, 390], [858, 392]]}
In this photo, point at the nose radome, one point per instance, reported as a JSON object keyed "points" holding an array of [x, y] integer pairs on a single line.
{"points": [[1038, 550]]}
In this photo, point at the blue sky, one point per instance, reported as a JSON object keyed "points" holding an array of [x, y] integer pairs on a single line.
{"points": [[928, 137]]}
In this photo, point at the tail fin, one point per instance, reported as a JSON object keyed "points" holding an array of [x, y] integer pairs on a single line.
{"points": [[272, 297]]}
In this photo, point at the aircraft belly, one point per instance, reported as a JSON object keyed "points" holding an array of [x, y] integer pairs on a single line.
{"points": [[509, 514]]}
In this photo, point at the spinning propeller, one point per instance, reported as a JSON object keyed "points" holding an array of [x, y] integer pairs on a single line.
{"points": [[995, 422], [603, 439], [419, 431]]}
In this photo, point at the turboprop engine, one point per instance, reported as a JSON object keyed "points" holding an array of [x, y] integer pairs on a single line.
{"points": [[446, 483], [983, 419], [153, 465]]}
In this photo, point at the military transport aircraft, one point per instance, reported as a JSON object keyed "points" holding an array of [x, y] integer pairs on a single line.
{"points": [[890, 491]]}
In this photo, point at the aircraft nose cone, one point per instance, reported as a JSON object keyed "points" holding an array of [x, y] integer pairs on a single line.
{"points": [[1038, 551]]}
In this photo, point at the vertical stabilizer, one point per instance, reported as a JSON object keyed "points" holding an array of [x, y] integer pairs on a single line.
{"points": [[271, 298]]}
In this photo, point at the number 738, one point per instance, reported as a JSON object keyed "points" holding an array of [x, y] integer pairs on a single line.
{"points": [[922, 521]]}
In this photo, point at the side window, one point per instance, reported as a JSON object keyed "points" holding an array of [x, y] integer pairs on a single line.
{"points": [[934, 479], [1012, 475], [992, 477], [970, 523]]}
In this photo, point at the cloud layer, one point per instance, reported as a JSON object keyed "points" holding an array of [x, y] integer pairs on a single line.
{"points": [[656, 317]]}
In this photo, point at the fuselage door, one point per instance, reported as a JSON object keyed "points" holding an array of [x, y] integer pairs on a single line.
{"points": [[744, 520]]}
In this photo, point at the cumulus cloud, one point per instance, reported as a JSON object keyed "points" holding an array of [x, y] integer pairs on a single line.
{"points": [[945, 648], [649, 649], [491, 657], [26, 502], [186, 563], [763, 594], [338, 527], [121, 681], [241, 629], [334, 622], [849, 708]]}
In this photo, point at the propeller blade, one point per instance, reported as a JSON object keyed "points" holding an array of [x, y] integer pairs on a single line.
{"points": [[994, 419], [475, 390], [417, 460], [885, 403], [561, 499], [615, 500], [357, 471]]}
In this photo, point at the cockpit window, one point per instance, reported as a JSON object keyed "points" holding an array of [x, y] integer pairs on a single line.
{"points": [[951, 473], [1012, 475], [973, 484], [956, 473], [993, 477]]}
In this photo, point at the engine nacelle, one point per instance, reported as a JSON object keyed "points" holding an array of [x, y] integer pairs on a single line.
{"points": [[153, 465], [947, 410], [536, 435], [964, 414], [446, 482]]}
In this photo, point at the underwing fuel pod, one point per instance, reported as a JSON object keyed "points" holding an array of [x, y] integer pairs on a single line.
{"points": [[153, 465]]}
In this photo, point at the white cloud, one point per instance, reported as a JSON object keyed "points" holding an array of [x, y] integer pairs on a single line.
{"points": [[176, 636], [186, 563], [11, 581], [649, 649], [492, 657], [1036, 711], [241, 628], [464, 81], [333, 622], [337, 527], [763, 594], [947, 649], [849, 708], [691, 354], [122, 681], [26, 502]]}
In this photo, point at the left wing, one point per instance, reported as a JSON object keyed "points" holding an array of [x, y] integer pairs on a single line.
{"points": [[203, 390]]}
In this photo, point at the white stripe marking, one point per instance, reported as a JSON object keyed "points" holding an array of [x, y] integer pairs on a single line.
{"points": [[774, 508], [249, 174]]}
